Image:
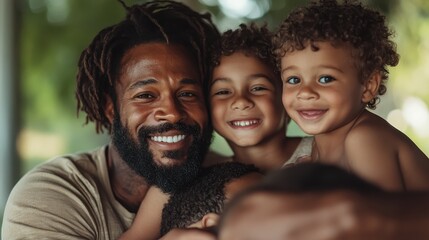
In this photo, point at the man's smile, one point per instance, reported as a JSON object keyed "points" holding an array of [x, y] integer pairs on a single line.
{"points": [[168, 139]]}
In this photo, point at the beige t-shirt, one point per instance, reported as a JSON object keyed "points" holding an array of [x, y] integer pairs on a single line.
{"points": [[68, 197]]}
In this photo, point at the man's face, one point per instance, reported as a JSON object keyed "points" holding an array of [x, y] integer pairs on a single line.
{"points": [[160, 123]]}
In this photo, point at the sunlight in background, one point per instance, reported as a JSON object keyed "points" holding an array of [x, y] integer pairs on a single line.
{"points": [[57, 10], [34, 144], [251, 9], [415, 113], [409, 81]]}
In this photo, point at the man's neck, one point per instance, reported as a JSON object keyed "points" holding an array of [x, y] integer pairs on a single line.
{"points": [[128, 187]]}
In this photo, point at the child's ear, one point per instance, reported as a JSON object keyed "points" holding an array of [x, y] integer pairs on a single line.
{"points": [[210, 220], [371, 86], [109, 109]]}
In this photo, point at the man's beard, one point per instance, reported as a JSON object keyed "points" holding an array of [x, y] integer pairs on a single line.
{"points": [[139, 158]]}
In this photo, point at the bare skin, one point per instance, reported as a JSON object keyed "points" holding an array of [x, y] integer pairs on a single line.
{"points": [[128, 187]]}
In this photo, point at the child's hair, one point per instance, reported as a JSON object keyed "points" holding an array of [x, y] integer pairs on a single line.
{"points": [[249, 39], [305, 178], [202, 196], [351, 23]]}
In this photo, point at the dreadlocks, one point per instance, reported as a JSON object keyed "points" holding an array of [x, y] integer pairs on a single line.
{"points": [[161, 21]]}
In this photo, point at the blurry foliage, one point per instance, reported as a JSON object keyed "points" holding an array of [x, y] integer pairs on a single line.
{"points": [[54, 32]]}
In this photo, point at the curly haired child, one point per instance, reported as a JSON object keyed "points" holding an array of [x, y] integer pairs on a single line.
{"points": [[245, 101], [200, 204], [333, 59], [197, 205]]}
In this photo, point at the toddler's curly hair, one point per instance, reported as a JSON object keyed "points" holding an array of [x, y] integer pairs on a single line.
{"points": [[349, 22]]}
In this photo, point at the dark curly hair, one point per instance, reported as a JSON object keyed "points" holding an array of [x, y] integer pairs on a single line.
{"points": [[350, 22], [203, 195], [249, 39], [161, 21]]}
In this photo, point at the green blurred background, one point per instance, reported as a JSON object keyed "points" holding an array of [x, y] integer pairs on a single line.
{"points": [[41, 41]]}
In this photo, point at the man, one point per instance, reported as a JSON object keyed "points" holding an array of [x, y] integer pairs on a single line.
{"points": [[142, 80]]}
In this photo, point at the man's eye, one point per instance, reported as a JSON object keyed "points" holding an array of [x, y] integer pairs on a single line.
{"points": [[293, 80], [144, 96], [326, 79], [187, 94]]}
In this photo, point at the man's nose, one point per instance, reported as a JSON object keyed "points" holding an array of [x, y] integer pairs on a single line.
{"points": [[169, 110]]}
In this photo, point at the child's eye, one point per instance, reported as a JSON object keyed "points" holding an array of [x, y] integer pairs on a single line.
{"points": [[326, 79], [222, 92], [293, 80], [258, 88]]}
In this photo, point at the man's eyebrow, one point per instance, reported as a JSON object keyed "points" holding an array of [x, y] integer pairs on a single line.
{"points": [[141, 83]]}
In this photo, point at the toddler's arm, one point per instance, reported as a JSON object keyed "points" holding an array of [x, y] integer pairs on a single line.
{"points": [[146, 225]]}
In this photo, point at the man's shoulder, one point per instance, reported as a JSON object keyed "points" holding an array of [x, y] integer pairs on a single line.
{"points": [[67, 193], [67, 171], [83, 162]]}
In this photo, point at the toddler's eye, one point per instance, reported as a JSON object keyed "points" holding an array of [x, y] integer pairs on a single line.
{"points": [[326, 79], [293, 80]]}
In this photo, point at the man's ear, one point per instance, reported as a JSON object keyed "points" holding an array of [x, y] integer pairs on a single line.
{"points": [[109, 109], [210, 220], [371, 86]]}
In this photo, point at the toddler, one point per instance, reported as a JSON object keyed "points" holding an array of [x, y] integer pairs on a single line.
{"points": [[334, 60]]}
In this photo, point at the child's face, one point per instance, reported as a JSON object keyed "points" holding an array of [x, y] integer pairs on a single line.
{"points": [[321, 89], [246, 102]]}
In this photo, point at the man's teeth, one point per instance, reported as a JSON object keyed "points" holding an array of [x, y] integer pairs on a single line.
{"points": [[168, 139], [244, 123]]}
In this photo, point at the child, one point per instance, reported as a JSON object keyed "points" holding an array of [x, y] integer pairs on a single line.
{"points": [[306, 178], [245, 101], [197, 205], [333, 61], [200, 204]]}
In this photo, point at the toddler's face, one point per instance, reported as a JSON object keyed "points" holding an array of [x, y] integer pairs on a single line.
{"points": [[322, 91], [245, 100]]}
